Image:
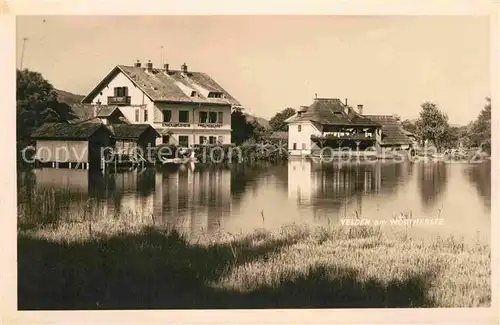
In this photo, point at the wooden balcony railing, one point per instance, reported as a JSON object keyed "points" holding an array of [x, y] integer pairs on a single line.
{"points": [[118, 100]]}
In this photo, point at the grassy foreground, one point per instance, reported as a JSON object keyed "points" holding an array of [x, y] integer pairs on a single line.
{"points": [[118, 266]]}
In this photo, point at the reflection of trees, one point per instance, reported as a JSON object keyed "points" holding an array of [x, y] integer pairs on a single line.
{"points": [[341, 183], [432, 181], [480, 176], [333, 186]]}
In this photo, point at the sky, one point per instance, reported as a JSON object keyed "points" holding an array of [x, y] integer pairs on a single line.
{"points": [[390, 64]]}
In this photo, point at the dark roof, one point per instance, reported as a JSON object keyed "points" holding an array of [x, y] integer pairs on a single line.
{"points": [[130, 131], [92, 114], [83, 111], [106, 111], [278, 135], [392, 133], [78, 131], [174, 86], [331, 111]]}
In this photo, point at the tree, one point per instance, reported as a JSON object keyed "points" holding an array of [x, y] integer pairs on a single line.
{"points": [[36, 103], [242, 130], [409, 126], [277, 122], [433, 125], [480, 133]]}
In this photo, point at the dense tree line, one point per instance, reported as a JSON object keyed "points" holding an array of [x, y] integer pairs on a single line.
{"points": [[432, 125]]}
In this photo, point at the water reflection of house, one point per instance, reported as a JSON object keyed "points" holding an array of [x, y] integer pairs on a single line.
{"points": [[193, 200], [73, 190], [329, 187], [300, 185]]}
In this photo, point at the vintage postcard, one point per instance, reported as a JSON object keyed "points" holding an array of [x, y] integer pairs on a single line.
{"points": [[340, 162]]}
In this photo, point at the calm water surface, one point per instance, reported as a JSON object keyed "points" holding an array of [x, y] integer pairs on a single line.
{"points": [[242, 198]]}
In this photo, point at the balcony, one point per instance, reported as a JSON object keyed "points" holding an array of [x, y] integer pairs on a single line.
{"points": [[343, 136], [210, 125], [119, 100]]}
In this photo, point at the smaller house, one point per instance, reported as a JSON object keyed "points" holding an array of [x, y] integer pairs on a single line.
{"points": [[80, 143], [134, 139], [393, 135], [98, 114], [279, 137], [111, 115]]}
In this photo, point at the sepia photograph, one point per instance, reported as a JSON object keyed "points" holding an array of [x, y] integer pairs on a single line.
{"points": [[181, 162]]}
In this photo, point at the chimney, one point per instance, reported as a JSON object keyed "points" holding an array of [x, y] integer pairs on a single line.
{"points": [[346, 102], [165, 67], [184, 68], [137, 64], [149, 66], [360, 109]]}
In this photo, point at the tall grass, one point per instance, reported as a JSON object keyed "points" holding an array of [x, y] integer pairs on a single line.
{"points": [[134, 265]]}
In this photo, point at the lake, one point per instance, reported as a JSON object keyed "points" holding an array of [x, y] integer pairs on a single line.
{"points": [[241, 198]]}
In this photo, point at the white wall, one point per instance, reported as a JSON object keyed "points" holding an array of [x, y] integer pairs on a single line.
{"points": [[302, 138]]}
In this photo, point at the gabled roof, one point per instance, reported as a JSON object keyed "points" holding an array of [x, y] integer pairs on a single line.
{"points": [[78, 131], [331, 111], [278, 135], [106, 111], [172, 86], [392, 133], [130, 131]]}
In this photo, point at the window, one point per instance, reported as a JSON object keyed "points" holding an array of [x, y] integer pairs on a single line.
{"points": [[220, 117], [203, 139], [145, 115], [166, 139], [299, 128], [294, 146], [183, 140], [214, 94], [212, 117], [212, 139], [303, 146], [203, 117], [137, 115], [121, 91], [184, 116], [220, 139], [193, 93], [167, 115]]}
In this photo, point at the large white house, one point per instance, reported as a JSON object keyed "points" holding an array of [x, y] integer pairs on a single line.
{"points": [[185, 107], [330, 123]]}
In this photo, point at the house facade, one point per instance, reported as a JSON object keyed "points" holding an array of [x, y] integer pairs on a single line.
{"points": [[328, 122], [184, 107]]}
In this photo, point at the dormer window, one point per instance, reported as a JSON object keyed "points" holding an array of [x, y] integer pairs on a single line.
{"points": [[214, 94]]}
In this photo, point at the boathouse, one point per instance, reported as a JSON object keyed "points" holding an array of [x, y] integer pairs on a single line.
{"points": [[134, 139], [76, 145]]}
